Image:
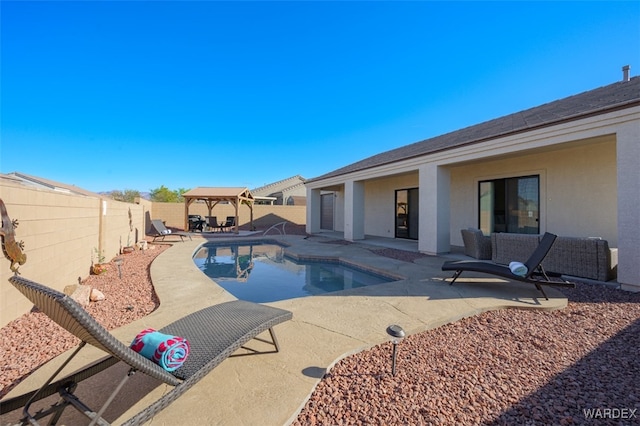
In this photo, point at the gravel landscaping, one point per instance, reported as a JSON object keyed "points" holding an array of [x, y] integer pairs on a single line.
{"points": [[33, 339], [578, 365], [498, 368]]}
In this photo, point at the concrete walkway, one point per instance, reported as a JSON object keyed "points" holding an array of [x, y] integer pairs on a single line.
{"points": [[270, 389]]}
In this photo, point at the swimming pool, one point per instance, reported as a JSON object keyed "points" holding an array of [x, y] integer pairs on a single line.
{"points": [[261, 272]]}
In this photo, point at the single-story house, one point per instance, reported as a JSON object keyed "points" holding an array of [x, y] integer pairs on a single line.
{"points": [[571, 167], [285, 192]]}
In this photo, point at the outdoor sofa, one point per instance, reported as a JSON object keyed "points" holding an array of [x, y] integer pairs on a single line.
{"points": [[159, 230], [585, 257]]}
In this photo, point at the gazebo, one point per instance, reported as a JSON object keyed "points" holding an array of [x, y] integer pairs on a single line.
{"points": [[212, 196]]}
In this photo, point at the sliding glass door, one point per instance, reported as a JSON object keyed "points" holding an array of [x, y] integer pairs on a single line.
{"points": [[510, 205]]}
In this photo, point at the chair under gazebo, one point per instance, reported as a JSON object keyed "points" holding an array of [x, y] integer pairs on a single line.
{"points": [[214, 195]]}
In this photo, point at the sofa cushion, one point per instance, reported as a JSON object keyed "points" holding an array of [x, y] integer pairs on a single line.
{"points": [[506, 248], [580, 257]]}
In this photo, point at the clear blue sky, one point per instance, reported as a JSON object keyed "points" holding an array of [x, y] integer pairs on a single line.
{"points": [[135, 95]]}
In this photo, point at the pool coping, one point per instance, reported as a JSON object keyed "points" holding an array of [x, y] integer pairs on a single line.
{"points": [[311, 258]]}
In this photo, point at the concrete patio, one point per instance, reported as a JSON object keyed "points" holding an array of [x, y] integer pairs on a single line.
{"points": [[270, 389]]}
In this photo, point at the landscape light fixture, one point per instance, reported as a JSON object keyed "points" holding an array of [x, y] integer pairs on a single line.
{"points": [[397, 334], [118, 261]]}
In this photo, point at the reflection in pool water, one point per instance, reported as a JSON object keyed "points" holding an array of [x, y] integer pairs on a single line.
{"points": [[260, 272]]}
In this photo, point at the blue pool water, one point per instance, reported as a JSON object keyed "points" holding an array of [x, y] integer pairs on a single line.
{"points": [[260, 272]]}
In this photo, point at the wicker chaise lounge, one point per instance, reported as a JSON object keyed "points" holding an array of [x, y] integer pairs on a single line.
{"points": [[229, 223], [535, 273], [214, 334], [158, 230]]}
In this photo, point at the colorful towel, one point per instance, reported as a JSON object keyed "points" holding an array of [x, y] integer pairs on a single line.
{"points": [[169, 352], [518, 268]]}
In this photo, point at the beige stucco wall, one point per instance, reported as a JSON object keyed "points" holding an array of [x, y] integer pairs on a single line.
{"points": [[628, 152], [577, 189], [338, 211], [60, 232], [380, 203]]}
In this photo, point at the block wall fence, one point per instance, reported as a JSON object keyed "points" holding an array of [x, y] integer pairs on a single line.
{"points": [[63, 232], [263, 215]]}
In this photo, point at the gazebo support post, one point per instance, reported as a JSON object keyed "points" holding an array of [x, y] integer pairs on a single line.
{"points": [[186, 213]]}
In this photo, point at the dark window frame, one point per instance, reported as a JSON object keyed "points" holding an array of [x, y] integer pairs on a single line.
{"points": [[507, 223]]}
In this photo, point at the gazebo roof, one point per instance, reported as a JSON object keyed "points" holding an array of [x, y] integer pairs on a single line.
{"points": [[219, 193]]}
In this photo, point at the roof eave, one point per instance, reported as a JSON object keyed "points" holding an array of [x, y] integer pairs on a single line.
{"points": [[563, 120]]}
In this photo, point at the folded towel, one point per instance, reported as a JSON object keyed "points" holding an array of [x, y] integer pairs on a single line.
{"points": [[169, 352], [518, 268], [166, 231]]}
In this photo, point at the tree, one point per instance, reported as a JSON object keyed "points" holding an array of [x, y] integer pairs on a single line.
{"points": [[165, 195], [180, 192], [128, 195]]}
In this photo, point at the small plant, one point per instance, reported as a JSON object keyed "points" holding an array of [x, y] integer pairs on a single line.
{"points": [[128, 248], [99, 255], [99, 267]]}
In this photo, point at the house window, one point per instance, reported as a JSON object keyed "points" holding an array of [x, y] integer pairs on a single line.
{"points": [[510, 205], [407, 213]]}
